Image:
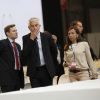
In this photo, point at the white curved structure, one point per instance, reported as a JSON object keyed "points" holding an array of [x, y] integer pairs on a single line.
{"points": [[84, 90]]}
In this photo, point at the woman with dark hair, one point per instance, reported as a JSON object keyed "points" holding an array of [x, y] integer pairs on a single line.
{"points": [[79, 26], [77, 57]]}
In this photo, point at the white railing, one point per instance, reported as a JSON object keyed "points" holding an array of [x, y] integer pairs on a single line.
{"points": [[84, 90]]}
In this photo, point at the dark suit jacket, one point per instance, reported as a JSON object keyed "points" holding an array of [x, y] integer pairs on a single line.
{"points": [[61, 68], [49, 53], [8, 75]]}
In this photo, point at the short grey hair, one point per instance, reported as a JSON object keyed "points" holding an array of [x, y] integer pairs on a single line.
{"points": [[34, 19]]}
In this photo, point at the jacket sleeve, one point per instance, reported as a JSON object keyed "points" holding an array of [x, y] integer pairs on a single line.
{"points": [[28, 45], [89, 59], [1, 47], [22, 81], [54, 52]]}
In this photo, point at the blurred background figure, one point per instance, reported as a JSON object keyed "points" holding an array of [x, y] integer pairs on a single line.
{"points": [[60, 56]]}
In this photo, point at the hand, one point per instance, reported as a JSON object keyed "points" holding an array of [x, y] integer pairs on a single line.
{"points": [[33, 36]]}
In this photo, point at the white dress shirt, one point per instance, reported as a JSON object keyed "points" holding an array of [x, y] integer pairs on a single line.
{"points": [[58, 56], [42, 62]]}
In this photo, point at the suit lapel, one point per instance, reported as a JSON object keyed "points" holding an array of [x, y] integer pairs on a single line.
{"points": [[10, 48], [43, 42]]}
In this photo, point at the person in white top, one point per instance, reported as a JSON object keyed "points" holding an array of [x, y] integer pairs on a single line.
{"points": [[77, 58]]}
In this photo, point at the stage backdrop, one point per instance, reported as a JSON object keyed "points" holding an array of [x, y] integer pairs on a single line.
{"points": [[19, 12]]}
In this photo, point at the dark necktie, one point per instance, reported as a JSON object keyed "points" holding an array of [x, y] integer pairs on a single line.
{"points": [[17, 60], [37, 53]]}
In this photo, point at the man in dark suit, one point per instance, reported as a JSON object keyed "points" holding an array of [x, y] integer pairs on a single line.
{"points": [[60, 56], [11, 72], [40, 55]]}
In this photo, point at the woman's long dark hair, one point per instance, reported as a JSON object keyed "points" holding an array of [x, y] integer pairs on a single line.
{"points": [[68, 42]]}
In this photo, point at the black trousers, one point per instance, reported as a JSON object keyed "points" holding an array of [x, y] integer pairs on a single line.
{"points": [[11, 85], [9, 88], [41, 79]]}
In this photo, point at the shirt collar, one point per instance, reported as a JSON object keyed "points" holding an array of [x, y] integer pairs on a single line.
{"points": [[10, 40], [38, 35]]}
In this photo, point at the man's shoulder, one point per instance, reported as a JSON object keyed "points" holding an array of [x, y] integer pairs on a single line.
{"points": [[26, 36], [45, 34], [17, 44], [84, 43], [3, 41]]}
